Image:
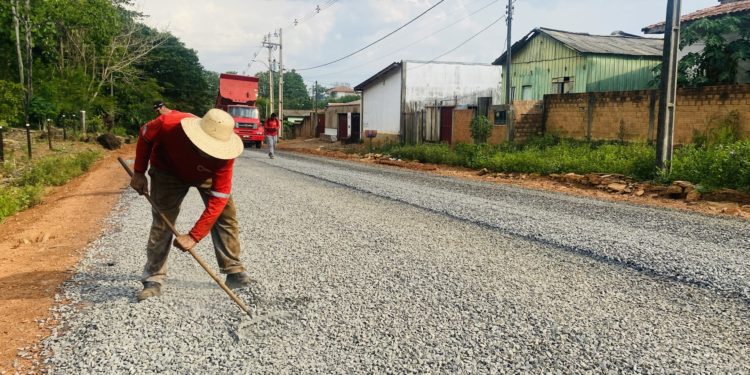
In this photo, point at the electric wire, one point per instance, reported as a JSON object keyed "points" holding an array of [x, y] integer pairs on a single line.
{"points": [[375, 42], [393, 52]]}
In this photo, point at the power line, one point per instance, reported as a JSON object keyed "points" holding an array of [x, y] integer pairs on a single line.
{"points": [[464, 42], [375, 42], [295, 23], [431, 35]]}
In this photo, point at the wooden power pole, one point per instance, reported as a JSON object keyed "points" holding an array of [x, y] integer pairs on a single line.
{"points": [[281, 85], [668, 88], [508, 81]]}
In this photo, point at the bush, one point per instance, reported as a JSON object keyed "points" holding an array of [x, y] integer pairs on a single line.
{"points": [[481, 128], [14, 199], [721, 166]]}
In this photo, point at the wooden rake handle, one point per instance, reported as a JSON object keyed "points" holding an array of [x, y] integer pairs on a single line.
{"points": [[197, 258]]}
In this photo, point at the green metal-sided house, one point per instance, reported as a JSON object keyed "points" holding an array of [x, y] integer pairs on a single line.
{"points": [[550, 61]]}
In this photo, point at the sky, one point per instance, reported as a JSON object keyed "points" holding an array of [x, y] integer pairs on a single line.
{"points": [[227, 34]]}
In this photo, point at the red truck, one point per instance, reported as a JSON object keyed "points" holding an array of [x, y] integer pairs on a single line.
{"points": [[237, 96]]}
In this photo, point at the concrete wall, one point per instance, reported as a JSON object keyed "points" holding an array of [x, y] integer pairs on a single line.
{"points": [[437, 84], [381, 104], [632, 115]]}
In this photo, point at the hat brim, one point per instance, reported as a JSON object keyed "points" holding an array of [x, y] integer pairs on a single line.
{"points": [[224, 150]]}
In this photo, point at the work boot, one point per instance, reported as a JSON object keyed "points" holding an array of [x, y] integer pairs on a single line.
{"points": [[270, 155], [150, 289], [238, 280]]}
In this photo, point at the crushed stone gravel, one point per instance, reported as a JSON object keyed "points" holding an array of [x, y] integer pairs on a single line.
{"points": [[376, 270]]}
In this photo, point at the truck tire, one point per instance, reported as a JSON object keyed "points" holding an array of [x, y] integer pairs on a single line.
{"points": [[258, 144]]}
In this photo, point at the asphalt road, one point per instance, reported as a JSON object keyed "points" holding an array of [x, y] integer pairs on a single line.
{"points": [[380, 270]]}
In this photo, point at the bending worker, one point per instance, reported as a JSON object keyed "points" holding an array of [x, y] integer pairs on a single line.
{"points": [[186, 151]]}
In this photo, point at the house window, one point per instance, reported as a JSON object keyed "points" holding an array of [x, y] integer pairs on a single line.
{"points": [[562, 85], [501, 116], [526, 93]]}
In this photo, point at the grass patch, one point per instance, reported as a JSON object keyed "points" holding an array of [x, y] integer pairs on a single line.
{"points": [[26, 190], [57, 170], [14, 199], [713, 167], [545, 155], [722, 162]]}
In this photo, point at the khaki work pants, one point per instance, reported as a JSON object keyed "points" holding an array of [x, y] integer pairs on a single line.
{"points": [[168, 192]]}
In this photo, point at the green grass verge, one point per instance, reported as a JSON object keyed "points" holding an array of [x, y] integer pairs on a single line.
{"points": [[26, 190], [709, 166], [714, 167]]}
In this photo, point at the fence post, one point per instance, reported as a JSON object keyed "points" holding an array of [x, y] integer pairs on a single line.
{"points": [[2, 151], [49, 134], [28, 138], [83, 123]]}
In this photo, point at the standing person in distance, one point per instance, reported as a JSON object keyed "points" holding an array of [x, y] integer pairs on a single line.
{"points": [[272, 133]]}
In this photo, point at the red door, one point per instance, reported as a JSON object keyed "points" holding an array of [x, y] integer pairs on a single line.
{"points": [[343, 132], [446, 124]]}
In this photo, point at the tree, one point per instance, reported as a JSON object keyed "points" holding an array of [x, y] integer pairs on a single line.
{"points": [[11, 102], [296, 95], [179, 72], [727, 42]]}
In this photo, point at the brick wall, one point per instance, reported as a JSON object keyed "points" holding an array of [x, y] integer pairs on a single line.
{"points": [[633, 115], [462, 128]]}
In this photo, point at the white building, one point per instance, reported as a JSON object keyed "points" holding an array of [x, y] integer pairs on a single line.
{"points": [[339, 92], [403, 101]]}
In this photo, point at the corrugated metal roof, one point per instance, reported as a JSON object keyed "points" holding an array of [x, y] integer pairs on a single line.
{"points": [[608, 44], [742, 6], [618, 44]]}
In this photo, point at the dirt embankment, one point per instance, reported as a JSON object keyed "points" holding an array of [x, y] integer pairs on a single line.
{"points": [[40, 247]]}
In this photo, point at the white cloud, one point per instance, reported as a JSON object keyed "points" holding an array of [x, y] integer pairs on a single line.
{"points": [[226, 33]]}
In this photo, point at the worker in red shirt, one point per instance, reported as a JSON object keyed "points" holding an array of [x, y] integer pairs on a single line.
{"points": [[272, 133], [186, 151]]}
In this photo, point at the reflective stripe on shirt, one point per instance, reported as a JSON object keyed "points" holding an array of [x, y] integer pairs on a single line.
{"points": [[219, 195]]}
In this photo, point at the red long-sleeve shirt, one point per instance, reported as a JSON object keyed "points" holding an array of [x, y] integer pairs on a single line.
{"points": [[271, 127], [165, 145]]}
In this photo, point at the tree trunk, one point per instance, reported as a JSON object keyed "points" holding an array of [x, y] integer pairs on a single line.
{"points": [[21, 75], [29, 46]]}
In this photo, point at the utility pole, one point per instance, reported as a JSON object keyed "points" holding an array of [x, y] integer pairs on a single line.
{"points": [[508, 85], [668, 87], [267, 43], [281, 85], [315, 98]]}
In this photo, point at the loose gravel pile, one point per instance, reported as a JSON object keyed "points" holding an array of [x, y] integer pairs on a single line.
{"points": [[373, 270]]}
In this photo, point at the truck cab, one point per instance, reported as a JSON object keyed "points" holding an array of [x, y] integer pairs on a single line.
{"points": [[237, 96], [247, 124]]}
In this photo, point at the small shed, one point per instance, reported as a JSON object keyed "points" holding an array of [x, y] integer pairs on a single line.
{"points": [[343, 121], [548, 61]]}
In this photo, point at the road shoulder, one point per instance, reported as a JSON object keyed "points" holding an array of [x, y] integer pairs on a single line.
{"points": [[40, 248]]}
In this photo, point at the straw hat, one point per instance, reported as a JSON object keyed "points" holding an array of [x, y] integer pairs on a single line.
{"points": [[214, 134]]}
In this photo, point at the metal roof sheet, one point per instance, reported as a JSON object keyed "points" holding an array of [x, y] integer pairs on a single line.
{"points": [[618, 44], [608, 44], [742, 6]]}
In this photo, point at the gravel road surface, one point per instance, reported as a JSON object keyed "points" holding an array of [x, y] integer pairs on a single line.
{"points": [[379, 270]]}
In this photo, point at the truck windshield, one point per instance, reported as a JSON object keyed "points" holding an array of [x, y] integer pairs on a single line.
{"points": [[244, 112]]}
